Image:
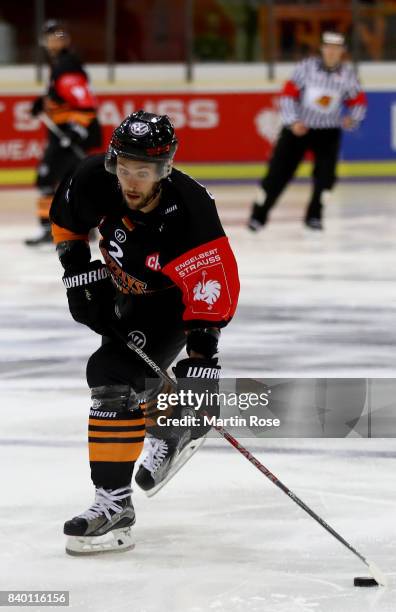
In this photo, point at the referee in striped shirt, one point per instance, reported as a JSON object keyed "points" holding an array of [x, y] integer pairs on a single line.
{"points": [[323, 97]]}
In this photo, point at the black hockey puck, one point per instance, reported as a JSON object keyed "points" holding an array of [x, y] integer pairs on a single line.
{"points": [[365, 582]]}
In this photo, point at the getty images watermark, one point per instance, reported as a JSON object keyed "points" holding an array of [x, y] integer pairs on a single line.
{"points": [[280, 407], [205, 403]]}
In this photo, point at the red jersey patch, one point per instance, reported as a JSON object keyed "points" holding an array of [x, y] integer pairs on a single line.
{"points": [[74, 89], [152, 262], [208, 277]]}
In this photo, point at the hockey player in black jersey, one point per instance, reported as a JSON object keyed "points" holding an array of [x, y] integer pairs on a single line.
{"points": [[70, 105], [169, 281]]}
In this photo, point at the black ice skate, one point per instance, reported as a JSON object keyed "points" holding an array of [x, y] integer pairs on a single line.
{"points": [[258, 217], [314, 223], [105, 526], [44, 237], [313, 216], [163, 459]]}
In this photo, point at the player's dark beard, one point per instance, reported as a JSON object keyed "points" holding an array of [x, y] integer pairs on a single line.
{"points": [[156, 192], [149, 198]]}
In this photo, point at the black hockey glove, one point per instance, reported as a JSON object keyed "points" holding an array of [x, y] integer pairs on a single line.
{"points": [[37, 106], [74, 134], [199, 380], [90, 294], [203, 341]]}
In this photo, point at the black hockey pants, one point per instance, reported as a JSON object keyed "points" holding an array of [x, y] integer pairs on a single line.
{"points": [[117, 427], [58, 162]]}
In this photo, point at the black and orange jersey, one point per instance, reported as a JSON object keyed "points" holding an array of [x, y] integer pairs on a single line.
{"points": [[69, 97], [174, 256]]}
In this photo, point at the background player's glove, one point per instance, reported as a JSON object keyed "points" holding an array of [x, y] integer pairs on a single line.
{"points": [[90, 294], [74, 134], [201, 376], [37, 106]]}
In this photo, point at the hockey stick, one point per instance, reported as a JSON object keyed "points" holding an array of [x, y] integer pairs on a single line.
{"points": [[372, 568], [61, 135]]}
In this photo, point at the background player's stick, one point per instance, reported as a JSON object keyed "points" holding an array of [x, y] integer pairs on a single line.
{"points": [[63, 138], [373, 569]]}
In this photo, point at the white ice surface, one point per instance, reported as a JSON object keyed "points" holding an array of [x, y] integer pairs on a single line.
{"points": [[220, 536]]}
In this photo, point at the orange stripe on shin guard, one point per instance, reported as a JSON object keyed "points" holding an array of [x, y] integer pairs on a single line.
{"points": [[118, 423], [107, 445], [116, 453], [117, 434]]}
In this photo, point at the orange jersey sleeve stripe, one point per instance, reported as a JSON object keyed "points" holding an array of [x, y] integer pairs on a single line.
{"points": [[83, 119], [60, 234]]}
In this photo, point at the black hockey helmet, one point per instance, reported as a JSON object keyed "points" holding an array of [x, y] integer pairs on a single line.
{"points": [[54, 26], [143, 137]]}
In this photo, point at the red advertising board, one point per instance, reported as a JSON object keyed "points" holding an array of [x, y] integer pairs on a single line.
{"points": [[211, 127]]}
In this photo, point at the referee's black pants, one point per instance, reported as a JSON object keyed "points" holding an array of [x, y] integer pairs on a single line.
{"points": [[287, 155]]}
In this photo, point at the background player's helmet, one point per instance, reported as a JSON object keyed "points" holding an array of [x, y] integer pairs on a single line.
{"points": [[54, 26], [144, 137]]}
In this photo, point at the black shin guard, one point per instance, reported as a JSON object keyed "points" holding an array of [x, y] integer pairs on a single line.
{"points": [[116, 433]]}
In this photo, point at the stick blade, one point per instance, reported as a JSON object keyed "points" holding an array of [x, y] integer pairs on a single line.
{"points": [[377, 574]]}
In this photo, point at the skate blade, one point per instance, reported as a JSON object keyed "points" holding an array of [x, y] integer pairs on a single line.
{"points": [[182, 458], [117, 540]]}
